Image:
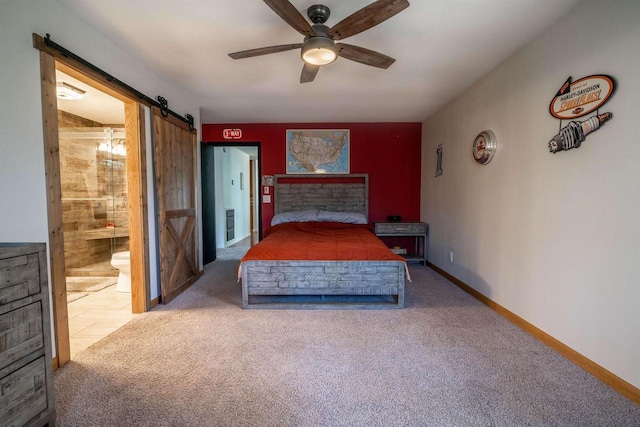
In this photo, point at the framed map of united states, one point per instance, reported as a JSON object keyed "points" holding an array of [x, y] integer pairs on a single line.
{"points": [[318, 151]]}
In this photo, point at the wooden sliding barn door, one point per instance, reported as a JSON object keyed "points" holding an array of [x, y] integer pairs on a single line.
{"points": [[175, 169]]}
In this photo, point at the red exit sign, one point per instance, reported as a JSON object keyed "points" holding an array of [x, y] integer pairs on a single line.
{"points": [[232, 133]]}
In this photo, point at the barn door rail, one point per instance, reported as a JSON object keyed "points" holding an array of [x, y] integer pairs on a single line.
{"points": [[38, 41]]}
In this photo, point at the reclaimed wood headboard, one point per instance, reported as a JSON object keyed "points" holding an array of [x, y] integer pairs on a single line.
{"points": [[328, 192]]}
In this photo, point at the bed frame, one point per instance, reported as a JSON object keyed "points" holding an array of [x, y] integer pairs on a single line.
{"points": [[322, 284]]}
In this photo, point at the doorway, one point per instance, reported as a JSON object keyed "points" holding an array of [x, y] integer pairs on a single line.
{"points": [[134, 144], [231, 207], [93, 178]]}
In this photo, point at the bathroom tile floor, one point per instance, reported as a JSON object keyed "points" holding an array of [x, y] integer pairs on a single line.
{"points": [[96, 315]]}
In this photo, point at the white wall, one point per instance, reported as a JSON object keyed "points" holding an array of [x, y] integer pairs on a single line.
{"points": [[23, 208], [229, 163], [152, 218], [554, 238]]}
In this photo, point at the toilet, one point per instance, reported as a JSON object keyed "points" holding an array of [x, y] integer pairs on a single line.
{"points": [[122, 261]]}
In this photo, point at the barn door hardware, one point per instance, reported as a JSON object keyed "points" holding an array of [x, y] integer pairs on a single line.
{"points": [[190, 121], [164, 109], [47, 45]]}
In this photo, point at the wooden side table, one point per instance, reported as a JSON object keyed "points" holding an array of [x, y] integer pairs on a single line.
{"points": [[418, 230]]}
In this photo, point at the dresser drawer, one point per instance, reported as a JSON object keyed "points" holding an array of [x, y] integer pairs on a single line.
{"points": [[400, 227], [21, 333], [26, 376], [23, 394], [19, 278]]}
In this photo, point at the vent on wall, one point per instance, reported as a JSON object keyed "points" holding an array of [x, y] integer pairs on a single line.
{"points": [[230, 224]]}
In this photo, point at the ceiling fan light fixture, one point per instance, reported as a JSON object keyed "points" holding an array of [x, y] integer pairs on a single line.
{"points": [[319, 46], [319, 51]]}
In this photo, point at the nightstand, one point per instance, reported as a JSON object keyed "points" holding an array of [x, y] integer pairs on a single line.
{"points": [[418, 230]]}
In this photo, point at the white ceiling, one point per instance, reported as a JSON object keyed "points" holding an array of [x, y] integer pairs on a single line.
{"points": [[441, 47], [95, 105]]}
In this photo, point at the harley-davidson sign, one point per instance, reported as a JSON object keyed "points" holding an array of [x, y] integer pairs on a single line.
{"points": [[584, 96]]}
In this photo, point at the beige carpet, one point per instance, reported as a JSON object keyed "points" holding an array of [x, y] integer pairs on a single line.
{"points": [[233, 253], [445, 360]]}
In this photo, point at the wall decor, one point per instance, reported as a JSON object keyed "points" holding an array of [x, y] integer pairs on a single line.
{"points": [[267, 180], [578, 99], [439, 170], [317, 151], [232, 133], [484, 147]]}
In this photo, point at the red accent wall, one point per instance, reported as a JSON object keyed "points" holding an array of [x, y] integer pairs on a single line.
{"points": [[388, 152]]}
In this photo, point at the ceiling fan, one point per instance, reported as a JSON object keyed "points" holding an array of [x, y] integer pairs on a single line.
{"points": [[319, 46]]}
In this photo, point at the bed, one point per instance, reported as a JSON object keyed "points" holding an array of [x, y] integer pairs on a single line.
{"points": [[320, 251]]}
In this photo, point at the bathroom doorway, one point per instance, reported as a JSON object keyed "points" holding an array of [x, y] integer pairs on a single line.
{"points": [[93, 178], [137, 139]]}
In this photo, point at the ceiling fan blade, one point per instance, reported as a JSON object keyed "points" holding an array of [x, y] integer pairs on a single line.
{"points": [[367, 17], [264, 50], [309, 73], [291, 16], [364, 56]]}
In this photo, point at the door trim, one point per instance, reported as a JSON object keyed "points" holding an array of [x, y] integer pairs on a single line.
{"points": [[54, 209]]}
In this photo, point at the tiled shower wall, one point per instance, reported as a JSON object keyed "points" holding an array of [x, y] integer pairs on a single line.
{"points": [[94, 193]]}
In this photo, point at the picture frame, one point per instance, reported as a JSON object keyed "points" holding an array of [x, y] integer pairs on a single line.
{"points": [[317, 151]]}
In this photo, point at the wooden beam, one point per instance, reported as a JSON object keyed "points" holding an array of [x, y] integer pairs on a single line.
{"points": [[138, 217], [54, 207]]}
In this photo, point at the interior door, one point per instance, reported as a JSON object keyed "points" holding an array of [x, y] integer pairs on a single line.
{"points": [[175, 161], [208, 202]]}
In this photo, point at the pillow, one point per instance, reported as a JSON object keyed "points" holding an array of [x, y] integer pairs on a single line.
{"points": [[344, 217], [295, 216]]}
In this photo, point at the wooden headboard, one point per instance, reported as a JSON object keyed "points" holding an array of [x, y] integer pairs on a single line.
{"points": [[328, 192]]}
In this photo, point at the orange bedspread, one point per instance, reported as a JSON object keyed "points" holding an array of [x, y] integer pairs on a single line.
{"points": [[321, 241]]}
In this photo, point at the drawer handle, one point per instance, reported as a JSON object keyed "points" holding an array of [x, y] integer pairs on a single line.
{"points": [[401, 228]]}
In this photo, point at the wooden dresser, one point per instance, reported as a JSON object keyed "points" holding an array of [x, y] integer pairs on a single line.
{"points": [[26, 370]]}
